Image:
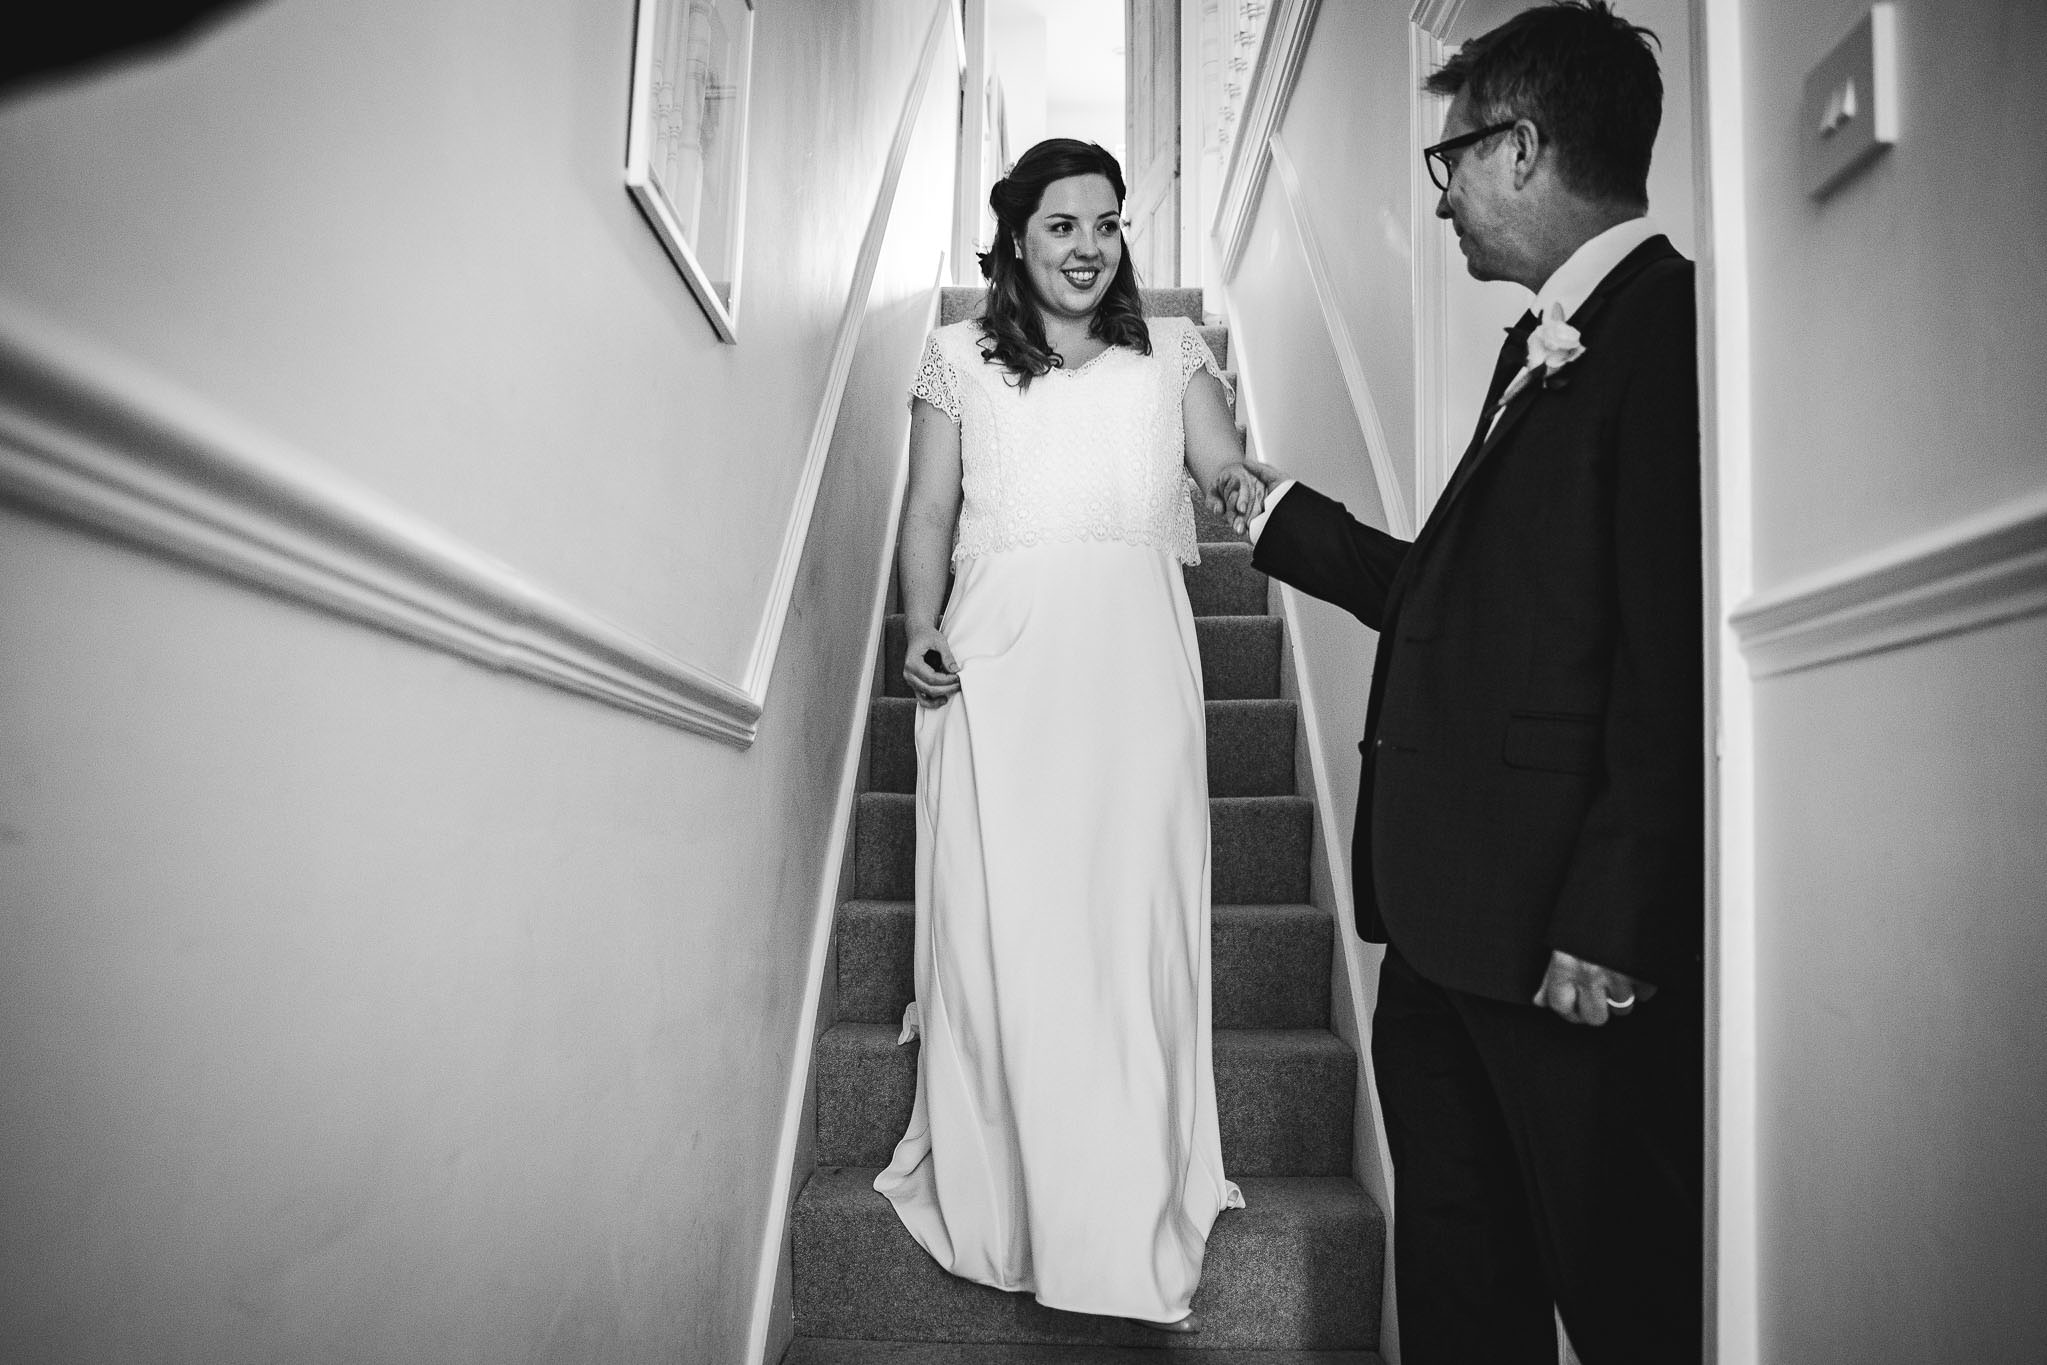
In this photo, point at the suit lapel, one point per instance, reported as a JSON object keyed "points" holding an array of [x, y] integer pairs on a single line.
{"points": [[1655, 249]]}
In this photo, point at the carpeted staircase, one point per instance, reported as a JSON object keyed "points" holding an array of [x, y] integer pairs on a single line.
{"points": [[1292, 1278]]}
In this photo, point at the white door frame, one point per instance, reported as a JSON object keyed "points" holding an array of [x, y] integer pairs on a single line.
{"points": [[1720, 198]]}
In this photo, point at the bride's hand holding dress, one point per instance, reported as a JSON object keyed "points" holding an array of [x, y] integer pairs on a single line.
{"points": [[931, 510]]}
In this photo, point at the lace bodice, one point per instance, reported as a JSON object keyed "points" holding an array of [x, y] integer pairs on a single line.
{"points": [[1093, 453]]}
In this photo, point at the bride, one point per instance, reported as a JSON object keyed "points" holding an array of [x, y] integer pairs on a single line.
{"points": [[1064, 1140]]}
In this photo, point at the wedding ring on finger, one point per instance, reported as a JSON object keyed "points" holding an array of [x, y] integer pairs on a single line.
{"points": [[1626, 1004]]}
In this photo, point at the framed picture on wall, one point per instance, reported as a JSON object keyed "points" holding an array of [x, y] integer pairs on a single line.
{"points": [[686, 148]]}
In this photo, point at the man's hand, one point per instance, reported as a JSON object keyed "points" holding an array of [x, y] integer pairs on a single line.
{"points": [[1239, 492], [1582, 992]]}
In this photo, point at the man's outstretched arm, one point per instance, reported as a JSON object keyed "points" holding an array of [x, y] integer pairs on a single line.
{"points": [[1313, 543]]}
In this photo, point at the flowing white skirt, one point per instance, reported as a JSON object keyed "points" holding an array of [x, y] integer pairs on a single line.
{"points": [[1064, 1137]]}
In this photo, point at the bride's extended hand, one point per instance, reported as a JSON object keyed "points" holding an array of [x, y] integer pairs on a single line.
{"points": [[930, 686], [1238, 492]]}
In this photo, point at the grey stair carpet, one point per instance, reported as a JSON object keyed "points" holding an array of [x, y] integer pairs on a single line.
{"points": [[1295, 1277], [1224, 583], [1299, 1266], [1270, 964], [1283, 1098], [840, 1351]]}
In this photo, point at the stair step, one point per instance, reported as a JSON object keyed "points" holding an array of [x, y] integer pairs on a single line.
{"points": [[1250, 746], [892, 745], [1283, 1098], [1218, 338], [1259, 847], [1269, 963], [958, 302], [1224, 583], [1300, 1267], [842, 1351], [1239, 656]]}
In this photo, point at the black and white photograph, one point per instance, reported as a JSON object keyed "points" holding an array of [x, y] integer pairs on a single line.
{"points": [[1023, 682]]}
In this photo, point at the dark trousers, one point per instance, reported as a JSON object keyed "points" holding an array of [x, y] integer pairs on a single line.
{"points": [[1537, 1162]]}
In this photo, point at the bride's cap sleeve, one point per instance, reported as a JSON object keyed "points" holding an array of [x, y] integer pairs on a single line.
{"points": [[937, 382], [1195, 355]]}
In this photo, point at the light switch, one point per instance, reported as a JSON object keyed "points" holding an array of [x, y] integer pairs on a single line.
{"points": [[1850, 110]]}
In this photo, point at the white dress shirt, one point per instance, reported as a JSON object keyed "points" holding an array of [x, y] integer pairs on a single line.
{"points": [[1567, 288]]}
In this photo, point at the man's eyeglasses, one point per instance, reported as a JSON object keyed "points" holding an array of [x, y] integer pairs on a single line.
{"points": [[1437, 158]]}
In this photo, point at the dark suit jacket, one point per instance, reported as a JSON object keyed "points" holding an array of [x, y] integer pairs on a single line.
{"points": [[1534, 746]]}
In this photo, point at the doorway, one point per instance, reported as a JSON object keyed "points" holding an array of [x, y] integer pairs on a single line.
{"points": [[1072, 68]]}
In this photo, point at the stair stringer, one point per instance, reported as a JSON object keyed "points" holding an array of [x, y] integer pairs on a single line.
{"points": [[1354, 970], [774, 1293]]}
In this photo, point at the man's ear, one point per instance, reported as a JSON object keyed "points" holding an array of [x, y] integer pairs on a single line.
{"points": [[1529, 146]]}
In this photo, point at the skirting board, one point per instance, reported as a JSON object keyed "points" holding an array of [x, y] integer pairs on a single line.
{"points": [[804, 1045], [1975, 572], [1332, 874]]}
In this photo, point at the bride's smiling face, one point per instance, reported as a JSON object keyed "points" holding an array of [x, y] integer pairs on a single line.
{"points": [[1073, 244]]}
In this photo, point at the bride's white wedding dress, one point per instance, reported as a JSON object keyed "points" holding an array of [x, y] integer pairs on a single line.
{"points": [[1064, 1137]]}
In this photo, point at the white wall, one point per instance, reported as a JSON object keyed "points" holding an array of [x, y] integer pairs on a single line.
{"points": [[1016, 37], [1345, 130], [360, 1003], [1894, 368]]}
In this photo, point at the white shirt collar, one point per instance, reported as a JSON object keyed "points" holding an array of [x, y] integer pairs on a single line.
{"points": [[1592, 262]]}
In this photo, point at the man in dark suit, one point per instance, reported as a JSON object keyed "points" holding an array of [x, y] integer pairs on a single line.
{"points": [[1530, 840]]}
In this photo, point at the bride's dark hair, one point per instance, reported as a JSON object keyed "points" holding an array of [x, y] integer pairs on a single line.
{"points": [[1012, 322]]}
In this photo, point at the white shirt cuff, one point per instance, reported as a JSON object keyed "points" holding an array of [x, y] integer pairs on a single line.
{"points": [[1256, 528]]}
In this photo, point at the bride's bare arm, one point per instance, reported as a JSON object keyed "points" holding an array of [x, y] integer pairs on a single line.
{"points": [[924, 551], [1215, 451]]}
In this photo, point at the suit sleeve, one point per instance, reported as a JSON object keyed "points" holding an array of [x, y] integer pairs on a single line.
{"points": [[1313, 543], [1633, 895]]}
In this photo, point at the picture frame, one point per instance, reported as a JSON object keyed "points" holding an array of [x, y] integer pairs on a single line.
{"points": [[686, 144]]}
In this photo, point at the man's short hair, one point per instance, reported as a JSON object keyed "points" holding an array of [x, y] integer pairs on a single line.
{"points": [[1582, 75]]}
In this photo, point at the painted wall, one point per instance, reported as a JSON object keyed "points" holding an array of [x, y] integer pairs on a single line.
{"points": [[1895, 362], [394, 234], [359, 1003], [1345, 130], [1016, 39]]}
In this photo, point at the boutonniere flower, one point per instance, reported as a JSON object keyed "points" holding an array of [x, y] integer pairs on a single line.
{"points": [[1552, 345]]}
